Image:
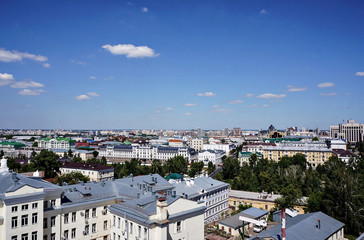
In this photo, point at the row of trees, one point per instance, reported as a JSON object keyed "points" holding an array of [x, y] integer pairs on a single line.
{"points": [[335, 188]]}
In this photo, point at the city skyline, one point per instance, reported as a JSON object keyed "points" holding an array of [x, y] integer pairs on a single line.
{"points": [[180, 65]]}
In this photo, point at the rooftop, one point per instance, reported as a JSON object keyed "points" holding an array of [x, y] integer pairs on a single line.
{"points": [[86, 166]]}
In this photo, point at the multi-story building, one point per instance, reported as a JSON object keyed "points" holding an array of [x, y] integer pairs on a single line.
{"points": [[56, 143], [213, 193], [244, 157], [314, 155], [223, 146], [123, 153], [214, 156], [31, 208], [351, 131], [196, 143], [256, 147], [96, 172], [175, 143]]}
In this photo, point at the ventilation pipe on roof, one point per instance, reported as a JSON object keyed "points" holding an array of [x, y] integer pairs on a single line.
{"points": [[318, 224]]}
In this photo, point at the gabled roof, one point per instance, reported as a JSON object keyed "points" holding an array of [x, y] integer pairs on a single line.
{"points": [[305, 226], [234, 221]]}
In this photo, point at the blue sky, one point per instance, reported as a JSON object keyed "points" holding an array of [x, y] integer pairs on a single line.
{"points": [[180, 64]]}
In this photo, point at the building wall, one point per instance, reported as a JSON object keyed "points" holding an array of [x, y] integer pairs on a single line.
{"points": [[94, 175]]}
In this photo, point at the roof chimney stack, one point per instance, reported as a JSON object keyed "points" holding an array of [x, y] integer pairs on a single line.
{"points": [[318, 224]]}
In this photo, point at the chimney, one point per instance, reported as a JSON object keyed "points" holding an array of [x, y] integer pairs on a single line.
{"points": [[318, 224], [161, 208], [4, 165]]}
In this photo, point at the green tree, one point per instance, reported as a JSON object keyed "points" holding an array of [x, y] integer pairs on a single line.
{"points": [[13, 165], [211, 167], [157, 167], [35, 144], [230, 168], [95, 154], [177, 164], [71, 178], [48, 162], [195, 168]]}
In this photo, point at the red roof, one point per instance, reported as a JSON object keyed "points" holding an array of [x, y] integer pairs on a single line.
{"points": [[174, 140]]}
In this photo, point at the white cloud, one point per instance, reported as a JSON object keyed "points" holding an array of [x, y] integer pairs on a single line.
{"points": [[249, 95], [109, 78], [215, 106], [361, 74], [271, 95], [27, 84], [292, 88], [31, 92], [326, 84], [328, 94], [93, 94], [169, 109], [92, 77], [263, 11], [46, 65], [236, 102], [82, 97], [6, 79], [78, 62], [266, 105], [206, 94], [15, 56], [222, 110], [144, 9], [130, 50], [254, 106], [189, 104], [188, 114]]}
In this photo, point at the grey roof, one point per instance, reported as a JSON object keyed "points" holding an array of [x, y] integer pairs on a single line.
{"points": [[234, 221], [200, 185], [254, 195], [155, 181], [361, 237], [305, 227], [11, 181]]}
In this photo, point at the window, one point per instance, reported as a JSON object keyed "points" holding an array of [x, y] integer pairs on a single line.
{"points": [[35, 205], [105, 225], [179, 226], [139, 231], [53, 236], [66, 218], [65, 234], [114, 221], [24, 221], [14, 222], [24, 236], [73, 233], [53, 203], [74, 217], [14, 209], [45, 237], [93, 227], [118, 222], [34, 236], [87, 229], [34, 218], [24, 207], [87, 213], [14, 238], [53, 221], [45, 204], [94, 212], [131, 228], [145, 232]]}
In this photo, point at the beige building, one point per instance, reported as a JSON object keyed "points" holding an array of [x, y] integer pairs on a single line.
{"points": [[96, 172], [261, 200], [314, 155]]}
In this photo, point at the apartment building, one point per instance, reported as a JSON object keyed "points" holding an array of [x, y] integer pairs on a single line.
{"points": [[223, 146], [96, 172], [121, 153], [196, 143], [56, 143], [214, 156], [351, 131], [314, 155]]}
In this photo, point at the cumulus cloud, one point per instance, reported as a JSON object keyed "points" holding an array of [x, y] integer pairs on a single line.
{"points": [[236, 102], [361, 74], [292, 88], [328, 94], [31, 92], [27, 84], [266, 105], [46, 65], [188, 114], [130, 50], [189, 104], [169, 109], [254, 106], [249, 95], [271, 95], [6, 79], [15, 56], [144, 9], [215, 106], [92, 77], [82, 97], [93, 94], [263, 11], [206, 94], [257, 106], [222, 110], [326, 84]]}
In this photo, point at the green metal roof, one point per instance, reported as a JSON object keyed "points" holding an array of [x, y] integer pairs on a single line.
{"points": [[276, 140], [15, 144], [174, 176], [247, 154]]}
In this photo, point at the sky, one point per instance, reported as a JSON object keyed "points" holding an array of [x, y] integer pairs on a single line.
{"points": [[180, 64]]}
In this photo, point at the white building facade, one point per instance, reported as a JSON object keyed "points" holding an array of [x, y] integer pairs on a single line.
{"points": [[214, 156]]}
